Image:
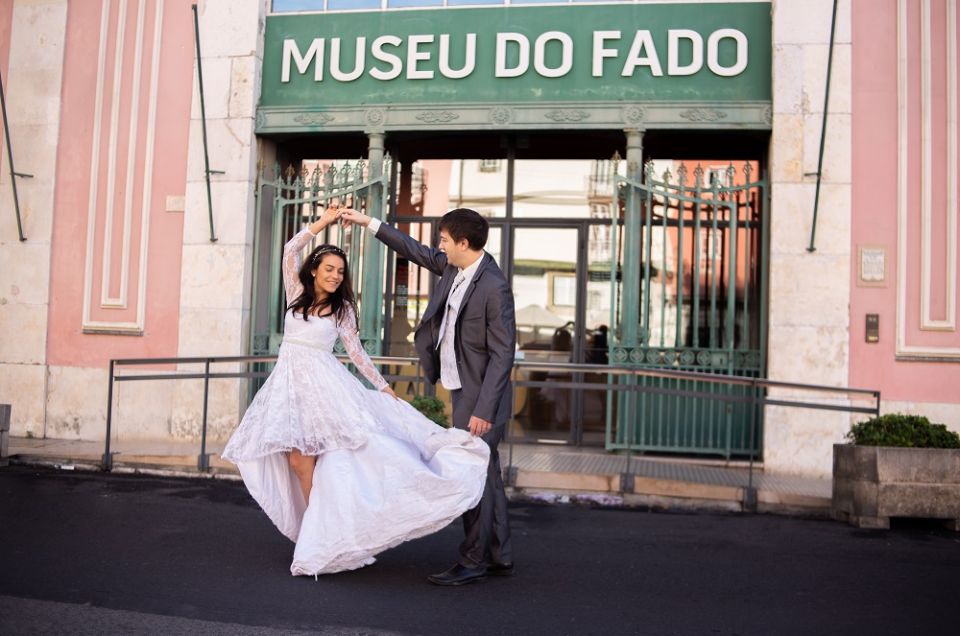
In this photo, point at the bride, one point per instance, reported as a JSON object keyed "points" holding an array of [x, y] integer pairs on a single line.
{"points": [[344, 471]]}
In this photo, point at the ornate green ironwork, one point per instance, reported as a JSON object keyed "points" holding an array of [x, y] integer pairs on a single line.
{"points": [[296, 199], [693, 298]]}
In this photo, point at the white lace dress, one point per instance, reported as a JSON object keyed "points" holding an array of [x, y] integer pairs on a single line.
{"points": [[385, 473]]}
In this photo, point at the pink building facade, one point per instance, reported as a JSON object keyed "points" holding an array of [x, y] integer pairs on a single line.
{"points": [[103, 108]]}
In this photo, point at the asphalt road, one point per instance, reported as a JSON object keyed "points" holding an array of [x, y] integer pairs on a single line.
{"points": [[84, 553]]}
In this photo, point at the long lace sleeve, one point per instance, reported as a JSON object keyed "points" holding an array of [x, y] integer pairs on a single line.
{"points": [[292, 260], [347, 329]]}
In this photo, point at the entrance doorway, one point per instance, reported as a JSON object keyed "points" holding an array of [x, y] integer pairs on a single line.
{"points": [[550, 221], [559, 208]]}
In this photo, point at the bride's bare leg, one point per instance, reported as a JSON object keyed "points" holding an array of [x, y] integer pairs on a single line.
{"points": [[303, 466]]}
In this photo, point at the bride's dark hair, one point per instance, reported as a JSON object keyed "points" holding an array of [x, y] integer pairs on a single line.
{"points": [[339, 302]]}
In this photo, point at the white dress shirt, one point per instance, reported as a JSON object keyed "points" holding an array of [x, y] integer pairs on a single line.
{"points": [[449, 374]]}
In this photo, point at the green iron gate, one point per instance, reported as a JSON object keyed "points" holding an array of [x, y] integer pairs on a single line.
{"points": [[691, 253], [288, 201]]}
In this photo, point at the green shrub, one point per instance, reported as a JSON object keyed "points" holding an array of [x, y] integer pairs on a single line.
{"points": [[898, 429], [433, 408]]}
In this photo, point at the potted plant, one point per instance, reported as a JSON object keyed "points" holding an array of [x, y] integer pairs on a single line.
{"points": [[432, 407], [897, 465]]}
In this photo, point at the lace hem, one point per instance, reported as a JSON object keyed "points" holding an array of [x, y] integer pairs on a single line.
{"points": [[314, 449]]}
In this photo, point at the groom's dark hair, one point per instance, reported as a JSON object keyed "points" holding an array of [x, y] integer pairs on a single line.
{"points": [[464, 223]]}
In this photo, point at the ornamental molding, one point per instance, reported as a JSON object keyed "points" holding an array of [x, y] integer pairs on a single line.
{"points": [[501, 115], [634, 114], [611, 115], [566, 114], [437, 117], [313, 119], [375, 116], [703, 114]]}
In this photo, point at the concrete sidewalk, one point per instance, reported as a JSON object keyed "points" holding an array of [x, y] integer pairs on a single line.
{"points": [[543, 472]]}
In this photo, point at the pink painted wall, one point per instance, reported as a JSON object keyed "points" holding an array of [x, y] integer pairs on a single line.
{"points": [[6, 18], [67, 344], [875, 195]]}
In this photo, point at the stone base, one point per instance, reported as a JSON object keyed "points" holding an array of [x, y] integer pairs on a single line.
{"points": [[871, 484]]}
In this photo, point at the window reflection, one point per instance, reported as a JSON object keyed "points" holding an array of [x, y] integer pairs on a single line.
{"points": [[563, 188]]}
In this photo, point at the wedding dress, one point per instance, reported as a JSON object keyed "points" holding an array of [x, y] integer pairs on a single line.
{"points": [[384, 474]]}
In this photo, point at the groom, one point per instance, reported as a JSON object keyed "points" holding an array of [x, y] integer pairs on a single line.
{"points": [[466, 339]]}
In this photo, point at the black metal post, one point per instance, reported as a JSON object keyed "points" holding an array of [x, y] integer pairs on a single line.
{"points": [[203, 124], [627, 484], [203, 461], [750, 494], [13, 173], [107, 461]]}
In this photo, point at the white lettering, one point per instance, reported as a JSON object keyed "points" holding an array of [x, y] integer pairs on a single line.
{"points": [[394, 60], [600, 52], [291, 51], [713, 52], [470, 55], [673, 52], [540, 54], [642, 53], [523, 61], [358, 64], [415, 55]]}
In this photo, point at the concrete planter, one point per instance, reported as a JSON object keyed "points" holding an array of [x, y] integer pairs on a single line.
{"points": [[873, 483]]}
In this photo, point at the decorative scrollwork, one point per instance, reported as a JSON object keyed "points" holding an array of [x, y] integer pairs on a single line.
{"points": [[566, 114], [703, 114], [313, 119], [437, 116]]}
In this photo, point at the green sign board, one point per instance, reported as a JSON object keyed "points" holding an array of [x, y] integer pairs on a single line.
{"points": [[666, 52]]}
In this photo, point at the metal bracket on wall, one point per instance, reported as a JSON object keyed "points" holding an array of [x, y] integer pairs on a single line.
{"points": [[823, 131], [203, 124], [13, 173]]}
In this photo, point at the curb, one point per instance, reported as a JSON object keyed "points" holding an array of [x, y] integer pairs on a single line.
{"points": [[597, 490]]}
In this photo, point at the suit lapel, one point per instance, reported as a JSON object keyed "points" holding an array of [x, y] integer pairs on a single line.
{"points": [[484, 263], [439, 297]]}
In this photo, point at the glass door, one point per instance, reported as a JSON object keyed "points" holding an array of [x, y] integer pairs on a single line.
{"points": [[544, 281]]}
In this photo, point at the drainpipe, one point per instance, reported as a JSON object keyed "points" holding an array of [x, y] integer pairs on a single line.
{"points": [[823, 131]]}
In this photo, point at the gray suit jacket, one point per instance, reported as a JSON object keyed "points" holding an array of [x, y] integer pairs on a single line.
{"points": [[485, 336]]}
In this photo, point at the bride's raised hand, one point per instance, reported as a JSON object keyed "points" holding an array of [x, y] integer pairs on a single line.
{"points": [[330, 215]]}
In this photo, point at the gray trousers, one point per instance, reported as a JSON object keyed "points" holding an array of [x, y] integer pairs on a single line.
{"points": [[486, 527]]}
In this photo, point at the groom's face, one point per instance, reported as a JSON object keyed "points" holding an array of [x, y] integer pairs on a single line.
{"points": [[455, 251]]}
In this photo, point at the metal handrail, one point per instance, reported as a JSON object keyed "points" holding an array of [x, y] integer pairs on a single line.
{"points": [[754, 397]]}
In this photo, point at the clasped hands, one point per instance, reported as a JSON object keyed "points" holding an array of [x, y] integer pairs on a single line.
{"points": [[345, 216]]}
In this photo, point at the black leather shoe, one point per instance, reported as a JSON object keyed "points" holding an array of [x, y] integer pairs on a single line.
{"points": [[459, 575], [500, 569]]}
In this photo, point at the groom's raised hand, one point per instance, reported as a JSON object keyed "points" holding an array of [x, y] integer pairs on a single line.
{"points": [[349, 215], [478, 426]]}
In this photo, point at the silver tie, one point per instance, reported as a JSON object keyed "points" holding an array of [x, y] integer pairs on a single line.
{"points": [[446, 314]]}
